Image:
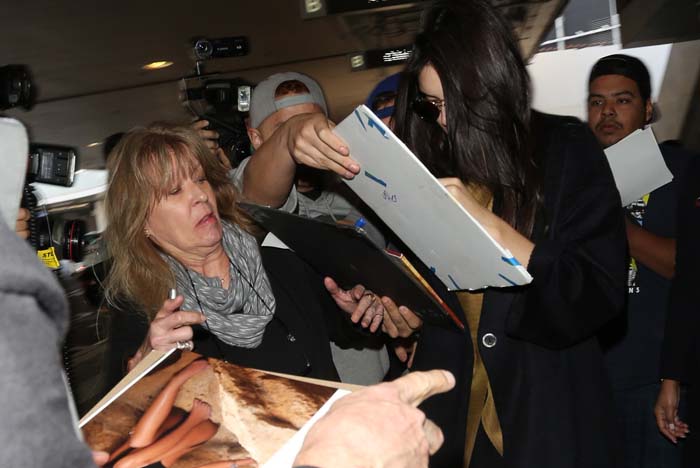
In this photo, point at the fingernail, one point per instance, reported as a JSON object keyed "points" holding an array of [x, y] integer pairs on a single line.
{"points": [[354, 168]]}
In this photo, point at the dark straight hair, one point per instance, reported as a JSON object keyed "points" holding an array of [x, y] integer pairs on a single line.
{"points": [[486, 91]]}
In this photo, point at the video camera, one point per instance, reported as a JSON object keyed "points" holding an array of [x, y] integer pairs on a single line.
{"points": [[16, 87], [63, 235], [49, 164], [225, 104], [205, 49]]}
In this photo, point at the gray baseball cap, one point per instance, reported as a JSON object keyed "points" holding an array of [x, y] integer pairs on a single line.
{"points": [[263, 103]]}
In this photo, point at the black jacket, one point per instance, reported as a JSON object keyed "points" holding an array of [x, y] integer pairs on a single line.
{"points": [[680, 358], [296, 341], [551, 391]]}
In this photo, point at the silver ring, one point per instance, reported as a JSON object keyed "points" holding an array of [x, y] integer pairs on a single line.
{"points": [[186, 345]]}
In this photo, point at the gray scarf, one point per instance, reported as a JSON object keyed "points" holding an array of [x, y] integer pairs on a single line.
{"points": [[237, 315]]}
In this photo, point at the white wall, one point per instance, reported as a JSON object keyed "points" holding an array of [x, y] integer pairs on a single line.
{"points": [[560, 78]]}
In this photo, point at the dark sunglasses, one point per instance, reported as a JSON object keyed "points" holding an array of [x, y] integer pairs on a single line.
{"points": [[427, 110]]}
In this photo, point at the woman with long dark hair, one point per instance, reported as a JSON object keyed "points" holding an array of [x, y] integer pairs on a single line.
{"points": [[531, 388]]}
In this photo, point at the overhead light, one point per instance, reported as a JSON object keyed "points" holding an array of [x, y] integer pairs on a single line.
{"points": [[157, 65], [357, 62], [317, 8], [313, 6], [92, 145], [380, 58]]}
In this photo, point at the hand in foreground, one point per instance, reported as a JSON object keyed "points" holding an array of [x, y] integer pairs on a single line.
{"points": [[22, 224], [363, 306], [169, 327], [100, 458], [310, 141], [666, 411], [379, 426]]}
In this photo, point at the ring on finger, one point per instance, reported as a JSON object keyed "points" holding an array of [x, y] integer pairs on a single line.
{"points": [[369, 293], [185, 345]]}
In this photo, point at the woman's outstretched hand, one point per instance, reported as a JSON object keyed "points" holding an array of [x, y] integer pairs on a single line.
{"points": [[399, 322], [371, 311], [363, 306]]}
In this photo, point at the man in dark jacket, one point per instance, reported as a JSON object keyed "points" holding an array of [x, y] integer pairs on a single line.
{"points": [[680, 355], [619, 102]]}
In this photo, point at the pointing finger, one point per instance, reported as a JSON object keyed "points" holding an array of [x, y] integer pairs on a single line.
{"points": [[416, 387]]}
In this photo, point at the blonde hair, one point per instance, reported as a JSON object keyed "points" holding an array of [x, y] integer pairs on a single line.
{"points": [[143, 167]]}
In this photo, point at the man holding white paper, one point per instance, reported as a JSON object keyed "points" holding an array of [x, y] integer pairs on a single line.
{"points": [[619, 104], [286, 109]]}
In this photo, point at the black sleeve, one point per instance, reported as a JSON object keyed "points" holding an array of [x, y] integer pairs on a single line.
{"points": [[128, 329], [579, 265], [678, 358]]}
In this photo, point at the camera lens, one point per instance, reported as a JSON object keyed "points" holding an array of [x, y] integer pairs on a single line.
{"points": [[203, 49], [16, 87]]}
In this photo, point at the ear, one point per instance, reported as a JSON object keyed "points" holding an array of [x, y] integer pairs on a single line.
{"points": [[255, 136], [648, 111]]}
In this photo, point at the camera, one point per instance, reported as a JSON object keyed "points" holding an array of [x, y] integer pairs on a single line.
{"points": [[16, 87], [233, 137], [224, 103], [205, 49], [51, 164]]}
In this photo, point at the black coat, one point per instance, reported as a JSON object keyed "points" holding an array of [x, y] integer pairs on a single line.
{"points": [[680, 357], [295, 342], [552, 394]]}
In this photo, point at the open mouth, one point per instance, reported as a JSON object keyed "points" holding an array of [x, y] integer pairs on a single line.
{"points": [[206, 219]]}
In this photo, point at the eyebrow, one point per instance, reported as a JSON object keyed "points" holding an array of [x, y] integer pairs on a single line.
{"points": [[430, 96], [617, 94]]}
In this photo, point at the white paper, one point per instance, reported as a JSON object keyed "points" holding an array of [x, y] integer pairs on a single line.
{"points": [[146, 365], [413, 203], [637, 165], [284, 457], [273, 241], [87, 183], [14, 152]]}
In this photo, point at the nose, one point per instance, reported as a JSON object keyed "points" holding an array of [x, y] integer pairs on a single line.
{"points": [[198, 194], [442, 118], [608, 109]]}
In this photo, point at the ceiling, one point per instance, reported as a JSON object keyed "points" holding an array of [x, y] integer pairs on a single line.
{"points": [[86, 57]]}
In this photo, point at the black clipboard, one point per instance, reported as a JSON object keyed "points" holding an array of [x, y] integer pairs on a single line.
{"points": [[349, 257]]}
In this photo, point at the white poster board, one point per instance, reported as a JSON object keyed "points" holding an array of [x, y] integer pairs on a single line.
{"points": [[637, 165], [14, 152], [413, 203]]}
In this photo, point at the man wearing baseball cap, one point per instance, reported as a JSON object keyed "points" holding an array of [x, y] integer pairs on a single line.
{"points": [[287, 111], [619, 102]]}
